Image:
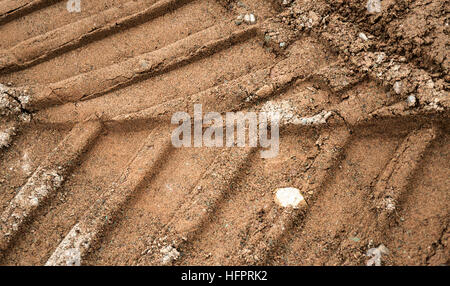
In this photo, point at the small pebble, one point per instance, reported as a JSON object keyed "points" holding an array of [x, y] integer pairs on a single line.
{"points": [[240, 4], [363, 37], [411, 100], [289, 197], [376, 255], [170, 254], [380, 58], [374, 6], [249, 19], [398, 87], [239, 20]]}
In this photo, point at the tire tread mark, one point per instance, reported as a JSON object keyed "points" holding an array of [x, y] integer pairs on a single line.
{"points": [[46, 180]]}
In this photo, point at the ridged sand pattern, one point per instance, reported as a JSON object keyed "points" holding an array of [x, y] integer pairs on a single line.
{"points": [[89, 175]]}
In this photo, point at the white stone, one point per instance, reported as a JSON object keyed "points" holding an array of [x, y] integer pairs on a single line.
{"points": [[249, 19], [170, 254], [398, 87], [374, 6], [363, 37], [380, 58], [288, 197], [411, 100], [375, 254], [320, 118], [6, 136]]}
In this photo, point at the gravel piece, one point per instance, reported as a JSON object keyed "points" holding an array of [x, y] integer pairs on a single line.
{"points": [[363, 37], [376, 254], [170, 254], [374, 6], [397, 87], [411, 100], [250, 19], [288, 197]]}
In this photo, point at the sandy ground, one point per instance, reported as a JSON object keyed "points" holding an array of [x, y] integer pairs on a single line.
{"points": [[89, 175]]}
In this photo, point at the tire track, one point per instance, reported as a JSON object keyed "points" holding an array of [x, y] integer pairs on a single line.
{"points": [[262, 246], [50, 18], [395, 177], [98, 82], [21, 158], [233, 94], [142, 232], [91, 28], [12, 9], [336, 225], [362, 134], [386, 191], [86, 184], [155, 91], [125, 43], [419, 230], [152, 207], [74, 247], [46, 180], [195, 210]]}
